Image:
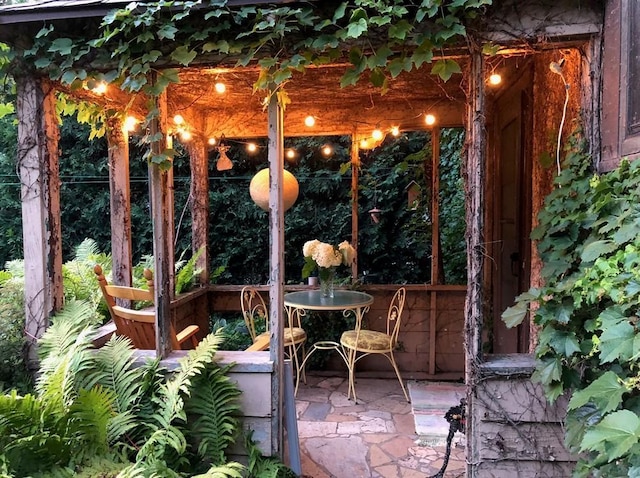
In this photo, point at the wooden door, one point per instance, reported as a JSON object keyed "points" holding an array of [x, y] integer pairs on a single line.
{"points": [[512, 211]]}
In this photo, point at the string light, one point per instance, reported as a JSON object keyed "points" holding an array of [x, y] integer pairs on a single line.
{"points": [[495, 79], [430, 120], [178, 119], [395, 131], [130, 123], [377, 135], [220, 87], [310, 121], [100, 88], [327, 150], [211, 141], [185, 135], [290, 153], [252, 147]]}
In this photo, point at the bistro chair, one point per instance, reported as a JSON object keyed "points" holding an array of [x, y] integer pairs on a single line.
{"points": [[360, 342], [255, 311], [140, 324]]}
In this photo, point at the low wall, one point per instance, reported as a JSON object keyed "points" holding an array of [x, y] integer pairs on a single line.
{"points": [[516, 431], [253, 373], [431, 334]]}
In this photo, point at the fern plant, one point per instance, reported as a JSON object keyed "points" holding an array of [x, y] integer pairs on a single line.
{"points": [[94, 409]]}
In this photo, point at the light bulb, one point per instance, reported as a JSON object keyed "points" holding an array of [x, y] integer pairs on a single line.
{"points": [[220, 87], [364, 144], [430, 119], [377, 135], [327, 150], [185, 135], [252, 147], [211, 141], [290, 153], [309, 121], [395, 131], [100, 88], [178, 119], [495, 79], [130, 123]]}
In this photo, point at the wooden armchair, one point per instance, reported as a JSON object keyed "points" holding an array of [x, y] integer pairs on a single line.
{"points": [[140, 325]]}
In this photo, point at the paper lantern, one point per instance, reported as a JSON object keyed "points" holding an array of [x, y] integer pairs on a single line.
{"points": [[259, 189]]}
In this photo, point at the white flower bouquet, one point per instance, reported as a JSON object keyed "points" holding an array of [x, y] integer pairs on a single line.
{"points": [[325, 258]]}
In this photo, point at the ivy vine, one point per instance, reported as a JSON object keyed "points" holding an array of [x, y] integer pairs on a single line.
{"points": [[377, 39], [588, 311]]}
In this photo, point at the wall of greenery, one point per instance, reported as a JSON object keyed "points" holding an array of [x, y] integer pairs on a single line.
{"points": [[395, 250]]}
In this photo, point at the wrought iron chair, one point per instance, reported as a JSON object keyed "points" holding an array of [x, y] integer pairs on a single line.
{"points": [[140, 325], [361, 342], [255, 310]]}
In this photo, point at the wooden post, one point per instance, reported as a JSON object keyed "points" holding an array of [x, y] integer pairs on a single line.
{"points": [[276, 263], [38, 136], [474, 172], [159, 193], [355, 175], [120, 203], [199, 201], [436, 260]]}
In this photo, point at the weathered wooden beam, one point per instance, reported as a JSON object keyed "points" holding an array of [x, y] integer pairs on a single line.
{"points": [[159, 192], [120, 203], [355, 175], [474, 172], [38, 136], [276, 263], [199, 203]]}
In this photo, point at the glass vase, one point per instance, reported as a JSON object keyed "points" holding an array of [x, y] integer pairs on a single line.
{"points": [[327, 276]]}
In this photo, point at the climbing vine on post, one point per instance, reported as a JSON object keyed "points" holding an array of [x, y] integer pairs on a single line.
{"points": [[589, 343]]}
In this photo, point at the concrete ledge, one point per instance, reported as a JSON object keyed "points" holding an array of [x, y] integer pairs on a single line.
{"points": [[243, 362]]}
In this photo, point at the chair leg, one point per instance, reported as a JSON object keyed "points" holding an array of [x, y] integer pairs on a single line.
{"points": [[351, 365], [395, 367]]}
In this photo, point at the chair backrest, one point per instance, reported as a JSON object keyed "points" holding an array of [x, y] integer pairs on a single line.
{"points": [[138, 325], [395, 314], [253, 307]]}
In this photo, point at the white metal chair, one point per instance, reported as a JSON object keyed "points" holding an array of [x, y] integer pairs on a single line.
{"points": [[360, 342], [255, 311]]}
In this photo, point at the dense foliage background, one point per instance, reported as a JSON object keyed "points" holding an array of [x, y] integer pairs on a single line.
{"points": [[395, 250]]}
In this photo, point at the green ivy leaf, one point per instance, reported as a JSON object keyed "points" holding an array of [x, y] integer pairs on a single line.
{"points": [[400, 30], [445, 68], [596, 249], [614, 435], [514, 315], [167, 32], [490, 49], [358, 28], [183, 55], [340, 11], [605, 392], [548, 370], [63, 46], [617, 342]]}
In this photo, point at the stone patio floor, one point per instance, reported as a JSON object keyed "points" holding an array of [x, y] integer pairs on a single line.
{"points": [[376, 438]]}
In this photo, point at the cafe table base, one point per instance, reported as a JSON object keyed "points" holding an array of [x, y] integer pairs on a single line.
{"points": [[322, 345]]}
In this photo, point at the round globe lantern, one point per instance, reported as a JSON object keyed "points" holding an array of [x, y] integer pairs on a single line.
{"points": [[259, 189]]}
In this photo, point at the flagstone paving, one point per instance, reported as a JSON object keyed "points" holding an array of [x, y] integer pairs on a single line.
{"points": [[375, 438]]}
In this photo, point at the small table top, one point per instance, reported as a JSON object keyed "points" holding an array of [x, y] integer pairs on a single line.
{"points": [[341, 300]]}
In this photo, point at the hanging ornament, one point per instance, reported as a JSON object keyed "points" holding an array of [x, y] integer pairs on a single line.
{"points": [[259, 189], [224, 163]]}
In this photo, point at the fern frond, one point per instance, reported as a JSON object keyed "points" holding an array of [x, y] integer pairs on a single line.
{"points": [[212, 410], [180, 383], [232, 469], [113, 369], [86, 249], [66, 326], [89, 417]]}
